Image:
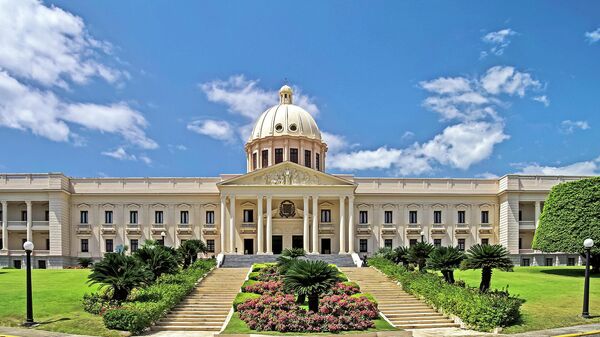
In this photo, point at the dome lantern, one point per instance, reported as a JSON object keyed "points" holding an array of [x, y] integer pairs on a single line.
{"points": [[285, 95]]}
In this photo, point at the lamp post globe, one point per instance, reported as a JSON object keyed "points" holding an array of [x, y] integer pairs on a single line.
{"points": [[587, 245], [28, 247], [162, 235]]}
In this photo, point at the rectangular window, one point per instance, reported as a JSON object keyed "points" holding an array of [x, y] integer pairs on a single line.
{"points": [[108, 217], [437, 243], [437, 217], [485, 241], [184, 217], [278, 155], [549, 262], [1, 244], [317, 162], [520, 215], [210, 245], [525, 263], [307, 158], [133, 217], [265, 158], [363, 245], [42, 264], [461, 244], [571, 261], [47, 244], [210, 217], [461, 216], [85, 246], [388, 243], [158, 217], [254, 161], [17, 264], [46, 217], [412, 217], [363, 217], [388, 217], [520, 243], [134, 245], [294, 155], [23, 215], [485, 216], [108, 245], [248, 215], [412, 242], [83, 217], [326, 215]]}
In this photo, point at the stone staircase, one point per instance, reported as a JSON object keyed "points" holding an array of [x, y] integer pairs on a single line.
{"points": [[206, 307], [239, 261], [403, 310]]}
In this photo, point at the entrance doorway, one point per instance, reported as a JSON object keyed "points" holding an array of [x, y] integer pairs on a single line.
{"points": [[298, 241], [277, 244], [248, 246], [325, 246]]}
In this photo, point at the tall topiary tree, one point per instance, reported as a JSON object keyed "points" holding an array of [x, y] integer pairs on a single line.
{"points": [[571, 214]]}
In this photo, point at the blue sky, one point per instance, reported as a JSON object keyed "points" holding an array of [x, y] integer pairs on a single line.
{"points": [[428, 88]]}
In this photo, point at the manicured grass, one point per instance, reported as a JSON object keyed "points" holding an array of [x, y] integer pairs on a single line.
{"points": [[553, 295], [57, 298], [237, 326]]}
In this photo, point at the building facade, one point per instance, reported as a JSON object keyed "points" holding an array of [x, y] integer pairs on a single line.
{"points": [[284, 200]]}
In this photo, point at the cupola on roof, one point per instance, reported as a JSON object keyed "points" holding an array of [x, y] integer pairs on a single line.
{"points": [[285, 119]]}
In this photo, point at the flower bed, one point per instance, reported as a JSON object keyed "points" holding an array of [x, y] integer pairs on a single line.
{"points": [[343, 308], [483, 312]]}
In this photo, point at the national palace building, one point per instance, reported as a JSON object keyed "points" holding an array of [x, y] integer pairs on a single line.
{"points": [[285, 199]]}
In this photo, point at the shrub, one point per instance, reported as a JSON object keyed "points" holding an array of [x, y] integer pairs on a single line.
{"points": [[85, 262], [480, 311], [243, 297], [264, 288], [311, 279], [121, 273], [159, 259], [254, 276], [189, 250], [97, 304], [260, 266], [367, 296], [345, 288]]}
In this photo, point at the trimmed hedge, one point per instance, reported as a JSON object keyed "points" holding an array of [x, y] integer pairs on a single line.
{"points": [[482, 312], [149, 304], [243, 297], [367, 296], [248, 283], [259, 266]]}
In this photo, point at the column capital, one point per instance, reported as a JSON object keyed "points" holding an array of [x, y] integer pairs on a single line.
{"points": [[28, 202]]}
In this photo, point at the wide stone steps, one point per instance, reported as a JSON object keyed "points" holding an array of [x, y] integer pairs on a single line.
{"points": [[237, 261], [207, 306], [400, 308]]}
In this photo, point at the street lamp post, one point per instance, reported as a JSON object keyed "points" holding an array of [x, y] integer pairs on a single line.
{"points": [[28, 246], [587, 244], [162, 235]]}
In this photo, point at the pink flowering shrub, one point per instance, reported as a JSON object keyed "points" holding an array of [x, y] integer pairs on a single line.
{"points": [[269, 273], [265, 288], [344, 289]]}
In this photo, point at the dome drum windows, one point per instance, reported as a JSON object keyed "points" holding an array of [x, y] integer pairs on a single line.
{"points": [[293, 127], [279, 127]]}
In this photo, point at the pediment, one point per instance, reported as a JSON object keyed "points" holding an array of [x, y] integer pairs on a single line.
{"points": [[287, 174]]}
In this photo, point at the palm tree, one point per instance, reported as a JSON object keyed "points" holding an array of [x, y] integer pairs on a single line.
{"points": [[400, 255], [486, 258], [446, 259], [311, 279], [419, 253], [288, 256], [158, 258], [120, 272], [189, 250]]}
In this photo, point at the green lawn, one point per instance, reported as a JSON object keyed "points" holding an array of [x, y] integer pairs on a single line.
{"points": [[553, 295], [56, 301]]}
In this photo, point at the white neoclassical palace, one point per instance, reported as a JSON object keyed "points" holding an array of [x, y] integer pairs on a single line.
{"points": [[284, 200]]}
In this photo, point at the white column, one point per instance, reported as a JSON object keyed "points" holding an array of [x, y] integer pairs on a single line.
{"points": [[223, 231], [306, 232], [4, 225], [29, 219], [259, 228], [315, 225], [538, 210], [342, 225], [232, 224], [351, 233], [269, 225]]}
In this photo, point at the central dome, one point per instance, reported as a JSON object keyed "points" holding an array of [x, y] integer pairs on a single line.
{"points": [[285, 119]]}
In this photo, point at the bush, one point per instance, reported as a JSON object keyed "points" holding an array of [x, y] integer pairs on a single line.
{"points": [[264, 288], [243, 297], [97, 304], [147, 305], [482, 312], [260, 266], [85, 262], [367, 296]]}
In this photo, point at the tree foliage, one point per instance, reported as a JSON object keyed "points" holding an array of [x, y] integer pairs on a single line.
{"points": [[189, 250], [311, 279], [487, 258], [419, 253], [121, 273], [446, 259], [571, 214], [158, 258]]}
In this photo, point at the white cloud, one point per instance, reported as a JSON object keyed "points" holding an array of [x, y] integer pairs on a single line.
{"points": [[220, 130], [498, 40], [593, 36], [447, 85], [583, 168], [382, 158], [120, 154], [145, 159], [542, 99], [507, 80], [569, 126], [46, 115], [181, 147], [335, 143], [407, 135], [49, 45]]}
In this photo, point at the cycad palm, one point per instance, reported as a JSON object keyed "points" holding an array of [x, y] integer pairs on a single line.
{"points": [[120, 272], [400, 255], [446, 259], [188, 251], [311, 279], [419, 253], [486, 258], [159, 259]]}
